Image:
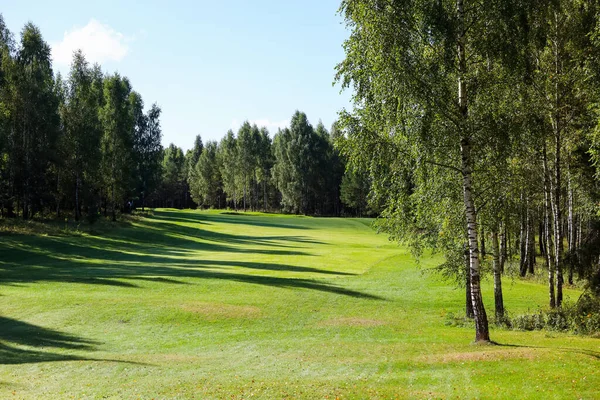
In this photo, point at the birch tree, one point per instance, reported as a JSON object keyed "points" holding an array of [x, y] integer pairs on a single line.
{"points": [[417, 68]]}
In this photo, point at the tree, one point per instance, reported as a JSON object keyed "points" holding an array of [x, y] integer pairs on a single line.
{"points": [[354, 191], [33, 139], [173, 176], [264, 163], [229, 166], [82, 132], [246, 145], [295, 164], [117, 141], [417, 69], [206, 187], [147, 148], [7, 49]]}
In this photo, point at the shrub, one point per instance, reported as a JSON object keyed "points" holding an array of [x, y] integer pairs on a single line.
{"points": [[582, 317]]}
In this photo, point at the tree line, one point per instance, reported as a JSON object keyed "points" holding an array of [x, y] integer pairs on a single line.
{"points": [[83, 146], [80, 144], [299, 170], [478, 123]]}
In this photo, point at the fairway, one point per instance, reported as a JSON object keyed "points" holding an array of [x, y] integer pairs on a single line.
{"points": [[191, 304]]}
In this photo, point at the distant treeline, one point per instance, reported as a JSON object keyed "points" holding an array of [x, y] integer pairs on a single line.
{"points": [[83, 146], [298, 171]]}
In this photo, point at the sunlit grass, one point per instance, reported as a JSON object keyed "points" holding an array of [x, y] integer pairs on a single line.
{"points": [[210, 305]]}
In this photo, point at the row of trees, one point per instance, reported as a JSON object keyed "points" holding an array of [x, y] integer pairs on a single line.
{"points": [[79, 144], [479, 125], [298, 171], [84, 145]]}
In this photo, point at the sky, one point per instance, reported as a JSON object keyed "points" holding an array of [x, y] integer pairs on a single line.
{"points": [[209, 65]]}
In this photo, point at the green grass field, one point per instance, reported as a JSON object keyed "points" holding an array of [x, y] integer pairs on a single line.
{"points": [[189, 304]]}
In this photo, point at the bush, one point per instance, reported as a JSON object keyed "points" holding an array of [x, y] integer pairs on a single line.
{"points": [[528, 322], [582, 317]]}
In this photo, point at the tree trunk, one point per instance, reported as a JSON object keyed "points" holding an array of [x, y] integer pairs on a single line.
{"points": [[530, 245], [547, 232], [541, 239], [498, 300], [503, 253], [481, 323], [523, 239], [558, 234], [570, 230], [468, 299]]}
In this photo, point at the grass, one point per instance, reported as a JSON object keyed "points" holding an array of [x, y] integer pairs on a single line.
{"points": [[187, 304]]}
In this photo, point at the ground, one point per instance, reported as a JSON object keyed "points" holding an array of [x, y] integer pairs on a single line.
{"points": [[191, 304]]}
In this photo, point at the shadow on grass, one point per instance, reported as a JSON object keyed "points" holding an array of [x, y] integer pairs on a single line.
{"points": [[236, 218], [585, 352], [14, 334], [151, 252]]}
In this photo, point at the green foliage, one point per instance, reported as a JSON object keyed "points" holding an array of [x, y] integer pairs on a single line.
{"points": [[229, 165], [117, 141], [306, 170], [354, 191], [147, 149], [173, 179], [206, 187], [81, 138]]}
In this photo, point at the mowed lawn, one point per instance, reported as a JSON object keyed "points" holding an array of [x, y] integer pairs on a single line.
{"points": [[191, 304]]}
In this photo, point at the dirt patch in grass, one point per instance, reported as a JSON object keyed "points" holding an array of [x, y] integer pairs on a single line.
{"points": [[221, 310], [353, 321], [493, 355]]}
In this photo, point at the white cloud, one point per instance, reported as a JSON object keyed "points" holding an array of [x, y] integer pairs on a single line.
{"points": [[272, 126], [98, 42]]}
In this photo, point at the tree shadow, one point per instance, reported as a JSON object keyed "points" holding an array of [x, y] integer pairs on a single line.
{"points": [[191, 238], [14, 333], [152, 254], [585, 352], [237, 218]]}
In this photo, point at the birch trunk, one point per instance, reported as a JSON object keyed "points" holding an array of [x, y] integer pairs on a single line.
{"points": [[547, 232], [468, 300], [541, 239], [530, 245], [558, 233], [498, 299], [523, 240], [481, 323], [503, 252], [570, 230]]}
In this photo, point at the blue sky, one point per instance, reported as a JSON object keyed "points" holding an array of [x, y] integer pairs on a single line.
{"points": [[210, 65]]}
